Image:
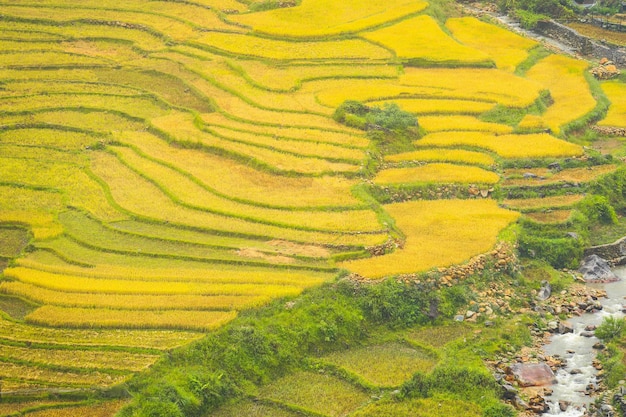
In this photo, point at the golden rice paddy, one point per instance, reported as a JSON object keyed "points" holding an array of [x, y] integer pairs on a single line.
{"points": [[438, 173], [616, 116]]}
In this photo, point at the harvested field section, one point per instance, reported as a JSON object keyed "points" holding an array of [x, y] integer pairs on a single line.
{"points": [[543, 176], [535, 204], [459, 229], [461, 123]]}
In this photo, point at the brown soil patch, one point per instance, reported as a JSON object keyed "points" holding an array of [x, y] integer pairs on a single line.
{"points": [[555, 216], [291, 248], [257, 254], [595, 32]]}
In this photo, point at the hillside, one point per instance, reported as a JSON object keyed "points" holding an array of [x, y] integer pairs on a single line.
{"points": [[166, 166]]}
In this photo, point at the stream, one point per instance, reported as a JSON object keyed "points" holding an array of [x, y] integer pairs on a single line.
{"points": [[569, 392]]}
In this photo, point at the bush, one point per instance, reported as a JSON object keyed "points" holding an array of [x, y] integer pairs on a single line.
{"points": [[563, 252], [390, 116], [598, 209], [610, 329]]}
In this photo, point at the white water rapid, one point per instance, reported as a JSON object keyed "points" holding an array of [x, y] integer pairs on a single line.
{"points": [[569, 397]]}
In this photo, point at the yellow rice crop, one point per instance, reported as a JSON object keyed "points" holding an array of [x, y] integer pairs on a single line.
{"points": [[438, 233], [477, 84], [37, 59], [43, 225], [106, 409], [421, 37], [305, 148], [153, 339], [356, 139], [132, 302], [30, 87], [435, 106], [173, 28], [14, 408], [543, 202], [81, 358], [87, 317], [505, 48], [62, 140], [326, 17], [182, 128], [40, 374], [102, 121], [290, 77], [436, 173], [80, 189], [141, 197], [484, 85], [142, 107], [463, 123], [616, 116], [176, 270], [191, 193], [252, 46], [537, 145], [550, 217], [443, 155], [561, 75], [514, 177], [69, 283]]}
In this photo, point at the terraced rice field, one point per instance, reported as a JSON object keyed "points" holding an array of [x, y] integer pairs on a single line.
{"points": [[175, 163]]}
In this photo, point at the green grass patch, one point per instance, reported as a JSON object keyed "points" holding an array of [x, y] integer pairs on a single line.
{"points": [[12, 241], [429, 407], [16, 307], [385, 365], [254, 408], [317, 392], [439, 336]]}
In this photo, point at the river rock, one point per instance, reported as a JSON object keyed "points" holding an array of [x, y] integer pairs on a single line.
{"points": [[563, 405], [596, 269], [545, 291], [565, 327], [533, 374]]}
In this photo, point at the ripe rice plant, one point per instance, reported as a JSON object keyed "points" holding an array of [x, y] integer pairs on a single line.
{"points": [[386, 365], [541, 203], [421, 38], [132, 302], [320, 393], [459, 156], [616, 116], [439, 336], [537, 145], [139, 106], [191, 193], [149, 339], [252, 46], [28, 87], [276, 77], [253, 408], [49, 376], [78, 187], [436, 173], [461, 123], [99, 359], [437, 106], [129, 319], [505, 48], [172, 270], [95, 121], [246, 184], [143, 198], [48, 137], [544, 176], [459, 229], [561, 75], [39, 59], [323, 17], [15, 408], [355, 140]]}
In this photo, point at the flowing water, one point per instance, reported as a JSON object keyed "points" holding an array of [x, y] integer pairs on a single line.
{"points": [[579, 353]]}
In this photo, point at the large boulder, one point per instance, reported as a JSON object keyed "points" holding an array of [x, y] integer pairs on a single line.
{"points": [[596, 269], [533, 374]]}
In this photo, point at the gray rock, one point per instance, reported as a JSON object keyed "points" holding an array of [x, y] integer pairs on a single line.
{"points": [[586, 334], [545, 291], [565, 327], [596, 269], [459, 317]]}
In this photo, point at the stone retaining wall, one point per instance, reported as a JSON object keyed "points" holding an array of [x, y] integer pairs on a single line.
{"points": [[580, 43], [614, 252]]}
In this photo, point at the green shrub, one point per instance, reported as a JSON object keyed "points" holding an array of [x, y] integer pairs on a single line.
{"points": [[598, 209], [610, 329], [564, 252]]}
